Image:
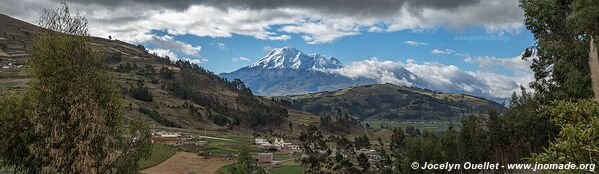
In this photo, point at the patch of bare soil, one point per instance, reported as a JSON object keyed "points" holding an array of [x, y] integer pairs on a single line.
{"points": [[186, 162]]}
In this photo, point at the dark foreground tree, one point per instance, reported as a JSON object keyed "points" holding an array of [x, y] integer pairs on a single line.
{"points": [[566, 69], [71, 115]]}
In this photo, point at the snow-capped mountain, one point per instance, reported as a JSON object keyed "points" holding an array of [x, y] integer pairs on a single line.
{"points": [[292, 58], [287, 71]]}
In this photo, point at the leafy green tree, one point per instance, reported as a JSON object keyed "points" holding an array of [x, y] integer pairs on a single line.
{"points": [[362, 142], [398, 148], [363, 163], [166, 73], [498, 137], [316, 151], [72, 112], [473, 139], [345, 146], [527, 131], [566, 70], [578, 140], [15, 133], [245, 163], [141, 93], [451, 145], [562, 31]]}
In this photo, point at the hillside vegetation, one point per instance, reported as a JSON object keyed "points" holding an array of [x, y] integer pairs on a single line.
{"points": [[162, 92], [388, 101]]}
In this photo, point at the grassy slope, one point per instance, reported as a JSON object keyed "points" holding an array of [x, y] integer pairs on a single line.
{"points": [[158, 155], [290, 167], [18, 35], [393, 102]]}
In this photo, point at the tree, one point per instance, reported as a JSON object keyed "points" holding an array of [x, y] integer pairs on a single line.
{"points": [[563, 32], [73, 110], [141, 93], [15, 133], [166, 73], [362, 142], [344, 146], [473, 138], [316, 150], [245, 163], [497, 136], [578, 140], [398, 147], [363, 162], [451, 145]]}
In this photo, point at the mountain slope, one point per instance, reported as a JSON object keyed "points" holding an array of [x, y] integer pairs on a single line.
{"points": [[388, 101], [285, 71], [155, 89], [288, 71]]}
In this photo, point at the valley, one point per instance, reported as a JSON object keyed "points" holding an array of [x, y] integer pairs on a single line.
{"points": [[228, 87], [185, 98]]}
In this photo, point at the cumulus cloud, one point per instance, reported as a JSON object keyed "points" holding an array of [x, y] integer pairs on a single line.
{"points": [[315, 21], [164, 53], [445, 78], [167, 42], [516, 66], [322, 32], [445, 51], [173, 56], [382, 71], [414, 43]]}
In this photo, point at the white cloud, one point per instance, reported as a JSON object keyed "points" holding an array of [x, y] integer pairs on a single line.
{"points": [[321, 32], [516, 66], [240, 59], [244, 59], [173, 57], [132, 21], [414, 43], [445, 51], [164, 53], [445, 78], [383, 71], [167, 42]]}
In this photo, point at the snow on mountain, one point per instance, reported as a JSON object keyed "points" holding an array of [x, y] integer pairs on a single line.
{"points": [[289, 71], [292, 58]]}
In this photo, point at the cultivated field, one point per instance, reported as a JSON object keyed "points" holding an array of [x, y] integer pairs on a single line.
{"points": [[185, 162]]}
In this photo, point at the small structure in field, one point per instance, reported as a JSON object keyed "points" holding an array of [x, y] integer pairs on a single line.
{"points": [[265, 158], [262, 142], [372, 155], [166, 134]]}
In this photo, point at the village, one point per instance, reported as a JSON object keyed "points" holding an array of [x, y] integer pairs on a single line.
{"points": [[265, 151]]}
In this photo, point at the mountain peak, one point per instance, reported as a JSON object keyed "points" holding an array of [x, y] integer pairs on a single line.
{"points": [[292, 58]]}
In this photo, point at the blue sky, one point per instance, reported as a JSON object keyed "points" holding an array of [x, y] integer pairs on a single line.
{"points": [[386, 46], [472, 46]]}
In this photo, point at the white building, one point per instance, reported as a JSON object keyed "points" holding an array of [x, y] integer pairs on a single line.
{"points": [[262, 142], [166, 134], [281, 144]]}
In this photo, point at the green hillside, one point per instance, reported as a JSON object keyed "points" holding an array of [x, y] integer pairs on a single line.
{"points": [[388, 101], [166, 94]]}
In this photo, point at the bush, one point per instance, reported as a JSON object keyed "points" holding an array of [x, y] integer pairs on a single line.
{"points": [[578, 139], [166, 73], [141, 93], [155, 115]]}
